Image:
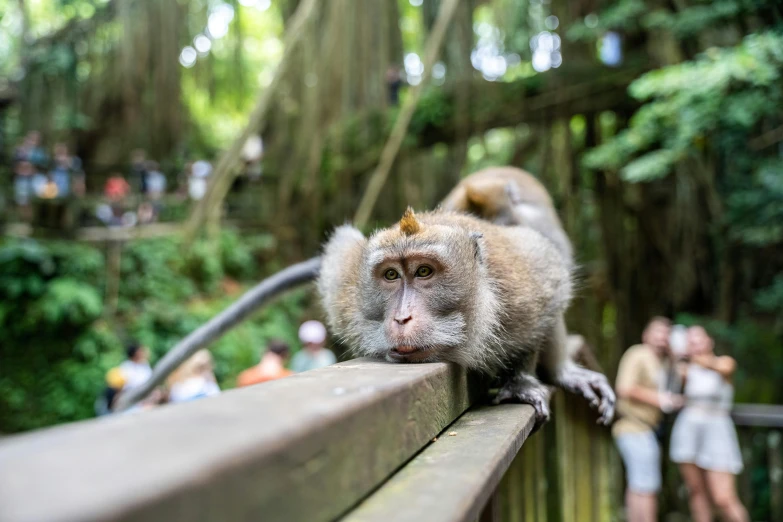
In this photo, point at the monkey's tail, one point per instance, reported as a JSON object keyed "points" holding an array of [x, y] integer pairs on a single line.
{"points": [[213, 329]]}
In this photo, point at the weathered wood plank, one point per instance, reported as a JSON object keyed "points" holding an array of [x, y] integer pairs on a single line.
{"points": [[452, 479], [307, 447], [100, 234]]}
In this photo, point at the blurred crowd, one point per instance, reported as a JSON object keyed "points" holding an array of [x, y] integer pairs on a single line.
{"points": [[37, 175], [131, 198], [195, 378], [675, 369]]}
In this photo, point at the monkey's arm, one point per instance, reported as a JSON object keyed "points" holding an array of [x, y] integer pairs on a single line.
{"points": [[524, 387], [563, 372]]}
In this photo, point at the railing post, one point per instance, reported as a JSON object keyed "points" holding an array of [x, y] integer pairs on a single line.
{"points": [[775, 463]]}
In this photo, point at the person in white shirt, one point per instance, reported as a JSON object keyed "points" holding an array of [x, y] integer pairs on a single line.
{"points": [[314, 355], [137, 368], [704, 440]]}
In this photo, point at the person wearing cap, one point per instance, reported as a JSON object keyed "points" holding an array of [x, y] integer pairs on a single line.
{"points": [[314, 355]]}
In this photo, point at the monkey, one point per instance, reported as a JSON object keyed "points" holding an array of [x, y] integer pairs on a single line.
{"points": [[488, 293]]}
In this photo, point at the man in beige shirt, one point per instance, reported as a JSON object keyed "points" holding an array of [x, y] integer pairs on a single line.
{"points": [[642, 400]]}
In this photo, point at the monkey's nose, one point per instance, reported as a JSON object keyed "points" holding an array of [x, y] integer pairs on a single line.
{"points": [[403, 319]]}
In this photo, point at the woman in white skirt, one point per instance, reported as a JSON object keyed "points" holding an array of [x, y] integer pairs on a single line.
{"points": [[704, 440]]}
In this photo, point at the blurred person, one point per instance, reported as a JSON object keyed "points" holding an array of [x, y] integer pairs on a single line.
{"points": [[252, 154], [30, 150], [704, 440], [138, 170], [116, 190], [66, 170], [146, 213], [271, 367], [314, 354], [24, 191], [155, 181], [115, 381], [198, 180], [642, 400], [136, 368], [394, 83], [194, 379]]}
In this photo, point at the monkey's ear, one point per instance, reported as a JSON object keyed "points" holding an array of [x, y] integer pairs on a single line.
{"points": [[478, 246], [343, 239], [476, 199]]}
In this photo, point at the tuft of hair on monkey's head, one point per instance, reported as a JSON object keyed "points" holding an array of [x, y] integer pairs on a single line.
{"points": [[409, 225]]}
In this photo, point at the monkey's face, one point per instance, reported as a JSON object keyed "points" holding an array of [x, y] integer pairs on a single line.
{"points": [[414, 294]]}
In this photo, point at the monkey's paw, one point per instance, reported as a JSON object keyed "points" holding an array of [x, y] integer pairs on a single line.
{"points": [[594, 387], [527, 390]]}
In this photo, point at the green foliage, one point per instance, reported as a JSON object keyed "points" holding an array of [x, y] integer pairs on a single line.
{"points": [[721, 92], [57, 348], [203, 265], [755, 210], [770, 300], [236, 254], [692, 19], [66, 302], [153, 269], [632, 16], [433, 110], [623, 15]]}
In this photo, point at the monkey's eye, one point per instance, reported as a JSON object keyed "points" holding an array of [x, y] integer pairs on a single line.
{"points": [[391, 274], [424, 271]]}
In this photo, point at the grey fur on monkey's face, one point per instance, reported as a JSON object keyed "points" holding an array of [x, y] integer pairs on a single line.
{"points": [[413, 295]]}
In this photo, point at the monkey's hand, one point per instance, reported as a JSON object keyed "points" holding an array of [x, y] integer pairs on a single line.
{"points": [[591, 385], [526, 389]]}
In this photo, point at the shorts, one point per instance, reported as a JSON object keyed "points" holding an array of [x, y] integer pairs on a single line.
{"points": [[642, 459], [707, 439]]}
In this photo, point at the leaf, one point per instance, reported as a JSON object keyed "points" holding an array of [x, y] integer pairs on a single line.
{"points": [[651, 166]]}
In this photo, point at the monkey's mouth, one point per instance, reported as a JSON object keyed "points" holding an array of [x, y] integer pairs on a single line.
{"points": [[409, 353]]}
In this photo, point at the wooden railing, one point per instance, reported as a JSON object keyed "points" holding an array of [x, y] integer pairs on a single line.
{"points": [[359, 441], [760, 430]]}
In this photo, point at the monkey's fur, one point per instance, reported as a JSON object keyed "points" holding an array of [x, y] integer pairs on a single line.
{"points": [[488, 292]]}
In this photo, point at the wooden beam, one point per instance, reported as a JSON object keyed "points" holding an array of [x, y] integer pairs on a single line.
{"points": [[307, 447], [101, 234], [453, 478]]}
